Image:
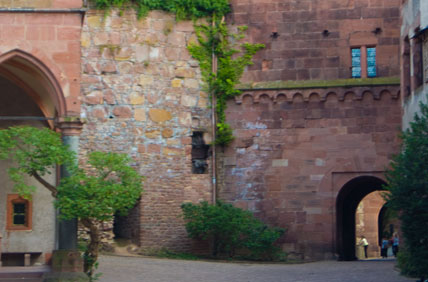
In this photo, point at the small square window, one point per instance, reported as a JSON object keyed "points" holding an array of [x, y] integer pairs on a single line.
{"points": [[19, 213]]}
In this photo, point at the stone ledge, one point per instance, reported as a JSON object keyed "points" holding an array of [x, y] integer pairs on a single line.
{"points": [[305, 84], [319, 94]]}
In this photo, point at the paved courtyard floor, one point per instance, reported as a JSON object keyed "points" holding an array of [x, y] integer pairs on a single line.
{"points": [[130, 269]]}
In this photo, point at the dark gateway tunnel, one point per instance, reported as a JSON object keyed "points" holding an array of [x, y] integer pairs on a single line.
{"points": [[346, 204]]}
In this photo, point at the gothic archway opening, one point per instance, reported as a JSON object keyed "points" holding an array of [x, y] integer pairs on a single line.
{"points": [[348, 201], [30, 96]]}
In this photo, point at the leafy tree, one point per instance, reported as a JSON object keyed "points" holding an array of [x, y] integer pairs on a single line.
{"points": [[93, 195], [35, 152], [408, 195], [230, 229]]}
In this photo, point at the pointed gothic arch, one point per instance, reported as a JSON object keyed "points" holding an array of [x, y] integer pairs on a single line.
{"points": [[36, 79]]}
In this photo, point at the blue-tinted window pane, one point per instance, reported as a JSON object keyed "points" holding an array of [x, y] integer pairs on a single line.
{"points": [[356, 62], [371, 52], [371, 62], [356, 52], [356, 72], [371, 71]]}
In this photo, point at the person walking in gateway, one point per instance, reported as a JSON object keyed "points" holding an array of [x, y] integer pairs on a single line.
{"points": [[395, 243], [365, 244], [384, 249]]}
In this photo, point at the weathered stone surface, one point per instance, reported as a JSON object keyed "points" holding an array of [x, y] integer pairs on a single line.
{"points": [[176, 83], [122, 111], [184, 72], [140, 114], [146, 80], [159, 115], [167, 133], [95, 97], [152, 134], [136, 98], [188, 101]]}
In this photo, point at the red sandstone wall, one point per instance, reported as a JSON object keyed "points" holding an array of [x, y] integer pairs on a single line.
{"points": [[292, 150], [302, 52], [367, 224], [52, 38]]}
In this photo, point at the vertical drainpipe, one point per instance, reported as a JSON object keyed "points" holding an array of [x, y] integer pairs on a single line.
{"points": [[213, 128]]}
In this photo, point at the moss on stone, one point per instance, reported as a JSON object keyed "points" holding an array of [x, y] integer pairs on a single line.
{"points": [[351, 82]]}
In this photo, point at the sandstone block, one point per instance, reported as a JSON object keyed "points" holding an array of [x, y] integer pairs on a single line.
{"points": [[94, 21], [85, 40], [101, 38], [109, 97], [176, 83], [153, 134], [140, 114], [159, 115], [142, 53], [191, 83], [188, 101], [167, 133], [108, 68], [93, 98], [122, 112], [123, 54], [98, 113], [185, 118], [136, 98], [145, 80], [184, 72], [172, 151]]}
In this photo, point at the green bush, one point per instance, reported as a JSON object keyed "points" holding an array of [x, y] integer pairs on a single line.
{"points": [[408, 195], [231, 229]]}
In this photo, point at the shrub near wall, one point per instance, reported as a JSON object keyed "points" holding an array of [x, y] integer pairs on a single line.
{"points": [[231, 230]]}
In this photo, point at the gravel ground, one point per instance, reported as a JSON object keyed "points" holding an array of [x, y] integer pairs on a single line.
{"points": [[133, 269]]}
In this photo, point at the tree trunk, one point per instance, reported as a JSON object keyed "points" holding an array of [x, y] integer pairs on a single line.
{"points": [[91, 253]]}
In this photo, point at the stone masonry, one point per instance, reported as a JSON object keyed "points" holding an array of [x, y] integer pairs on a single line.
{"points": [[290, 146], [313, 36], [142, 96]]}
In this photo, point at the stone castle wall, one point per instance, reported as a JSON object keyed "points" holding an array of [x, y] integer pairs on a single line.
{"points": [[142, 96], [290, 145], [313, 37]]}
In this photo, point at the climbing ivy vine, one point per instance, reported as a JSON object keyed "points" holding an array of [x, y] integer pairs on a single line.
{"points": [[231, 53]]}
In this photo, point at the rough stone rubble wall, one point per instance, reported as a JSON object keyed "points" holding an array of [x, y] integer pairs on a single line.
{"points": [[142, 95]]}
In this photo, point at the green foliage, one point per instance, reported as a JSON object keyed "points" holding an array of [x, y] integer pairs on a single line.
{"points": [[231, 229], [111, 186], [184, 9], [408, 194], [33, 152], [232, 58]]}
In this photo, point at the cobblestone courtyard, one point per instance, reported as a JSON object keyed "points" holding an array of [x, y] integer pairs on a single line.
{"points": [[133, 269]]}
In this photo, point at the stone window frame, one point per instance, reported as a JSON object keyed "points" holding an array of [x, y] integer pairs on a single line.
{"points": [[17, 199], [363, 60]]}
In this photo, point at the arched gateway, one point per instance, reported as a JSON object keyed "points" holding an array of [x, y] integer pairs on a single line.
{"points": [[31, 95], [348, 199]]}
